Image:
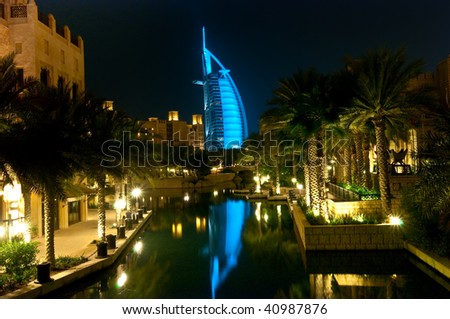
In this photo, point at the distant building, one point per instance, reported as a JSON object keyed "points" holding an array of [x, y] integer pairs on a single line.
{"points": [[225, 118], [44, 49], [174, 131]]}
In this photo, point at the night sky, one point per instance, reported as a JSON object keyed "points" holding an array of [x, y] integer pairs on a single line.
{"points": [[144, 54]]}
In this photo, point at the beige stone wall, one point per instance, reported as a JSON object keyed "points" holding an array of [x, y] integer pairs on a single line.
{"points": [[346, 237], [367, 208], [38, 45]]}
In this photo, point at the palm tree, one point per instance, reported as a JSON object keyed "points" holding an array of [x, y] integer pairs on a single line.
{"points": [[101, 125], [49, 132], [306, 108], [380, 83], [12, 88]]}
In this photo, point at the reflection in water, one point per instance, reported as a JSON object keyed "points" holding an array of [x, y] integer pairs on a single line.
{"points": [[226, 221], [369, 274], [214, 246]]}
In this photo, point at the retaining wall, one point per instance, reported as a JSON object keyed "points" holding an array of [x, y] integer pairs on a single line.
{"points": [[346, 237]]}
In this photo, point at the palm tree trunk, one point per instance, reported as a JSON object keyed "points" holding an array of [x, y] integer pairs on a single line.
{"points": [[129, 189], [314, 167], [101, 213], [366, 152], [307, 185], [26, 190], [383, 166], [360, 177], [347, 169], [49, 226]]}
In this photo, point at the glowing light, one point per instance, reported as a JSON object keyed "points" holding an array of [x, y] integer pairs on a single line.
{"points": [[200, 224], [299, 186], [186, 197], [138, 247], [12, 193], [177, 230], [395, 220], [266, 217], [230, 128], [136, 192], [258, 211], [122, 279], [279, 210], [120, 204], [294, 180], [215, 193]]}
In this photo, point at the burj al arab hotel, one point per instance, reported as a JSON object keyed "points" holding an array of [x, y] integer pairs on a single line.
{"points": [[225, 119]]}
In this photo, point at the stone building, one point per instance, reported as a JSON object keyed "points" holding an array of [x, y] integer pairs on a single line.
{"points": [[54, 55], [174, 131], [44, 49]]}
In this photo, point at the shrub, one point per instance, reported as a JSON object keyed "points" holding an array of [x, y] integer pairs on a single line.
{"points": [[66, 262], [18, 259]]}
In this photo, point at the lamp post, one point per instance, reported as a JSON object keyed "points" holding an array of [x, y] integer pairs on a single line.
{"points": [[136, 192], [119, 205]]}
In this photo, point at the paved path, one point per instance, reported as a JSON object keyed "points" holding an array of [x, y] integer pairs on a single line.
{"points": [[77, 240]]}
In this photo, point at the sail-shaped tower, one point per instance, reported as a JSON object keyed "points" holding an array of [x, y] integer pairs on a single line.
{"points": [[225, 119]]}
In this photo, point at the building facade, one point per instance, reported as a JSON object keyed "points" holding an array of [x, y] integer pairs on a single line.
{"points": [[174, 131], [50, 53], [225, 118], [44, 49]]}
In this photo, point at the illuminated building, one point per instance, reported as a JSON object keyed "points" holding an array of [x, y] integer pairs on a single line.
{"points": [[225, 119], [173, 131], [52, 54], [44, 49]]}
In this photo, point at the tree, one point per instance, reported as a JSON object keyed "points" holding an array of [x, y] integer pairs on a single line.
{"points": [[381, 97], [12, 88], [305, 110], [40, 148], [428, 200]]}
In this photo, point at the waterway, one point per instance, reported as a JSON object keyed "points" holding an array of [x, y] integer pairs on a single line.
{"points": [[219, 245]]}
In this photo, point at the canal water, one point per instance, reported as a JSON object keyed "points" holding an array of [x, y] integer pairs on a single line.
{"points": [[219, 245]]}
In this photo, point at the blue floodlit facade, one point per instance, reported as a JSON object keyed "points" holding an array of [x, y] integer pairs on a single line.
{"points": [[225, 119]]}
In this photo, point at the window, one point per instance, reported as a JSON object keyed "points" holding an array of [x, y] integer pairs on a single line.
{"points": [[46, 50], [18, 48], [74, 212], [20, 77], [45, 76], [18, 11]]}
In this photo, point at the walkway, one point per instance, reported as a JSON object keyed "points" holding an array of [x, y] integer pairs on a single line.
{"points": [[75, 241]]}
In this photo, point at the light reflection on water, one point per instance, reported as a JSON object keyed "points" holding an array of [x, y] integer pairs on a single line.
{"points": [[217, 246]]}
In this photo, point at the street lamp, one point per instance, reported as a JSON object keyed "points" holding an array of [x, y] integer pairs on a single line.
{"points": [[119, 205], [136, 192]]}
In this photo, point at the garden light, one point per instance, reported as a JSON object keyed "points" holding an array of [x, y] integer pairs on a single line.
{"points": [[395, 220]]}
